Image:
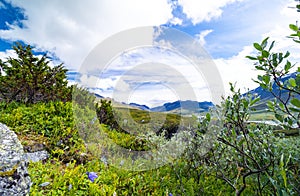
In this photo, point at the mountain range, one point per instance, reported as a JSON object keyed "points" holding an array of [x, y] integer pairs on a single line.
{"points": [[189, 106], [266, 95], [182, 107], [195, 107]]}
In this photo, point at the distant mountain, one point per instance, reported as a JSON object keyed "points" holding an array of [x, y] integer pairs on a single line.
{"points": [[141, 107], [266, 96], [98, 96], [188, 105]]}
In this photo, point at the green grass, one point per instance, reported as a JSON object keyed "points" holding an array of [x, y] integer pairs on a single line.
{"points": [[262, 115], [71, 179], [147, 120], [52, 124]]}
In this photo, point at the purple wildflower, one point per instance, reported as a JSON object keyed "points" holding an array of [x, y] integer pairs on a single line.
{"points": [[92, 176]]}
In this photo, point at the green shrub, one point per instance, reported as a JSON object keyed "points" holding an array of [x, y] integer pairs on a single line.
{"points": [[50, 122]]}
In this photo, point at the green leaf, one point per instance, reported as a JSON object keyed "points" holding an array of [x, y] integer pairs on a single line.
{"points": [[274, 59], [252, 102], [264, 43], [296, 102], [266, 79], [282, 171], [270, 105], [257, 47], [245, 103], [294, 109], [259, 68], [293, 27], [263, 86], [280, 57], [297, 41], [287, 66], [251, 57], [272, 45], [208, 116], [279, 117], [287, 54], [265, 54], [292, 82], [289, 121], [281, 106], [260, 78]]}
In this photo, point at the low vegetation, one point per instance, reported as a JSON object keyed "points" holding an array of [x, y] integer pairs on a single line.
{"points": [[225, 154]]}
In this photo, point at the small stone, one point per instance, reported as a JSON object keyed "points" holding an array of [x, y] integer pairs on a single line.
{"points": [[44, 184], [70, 187], [104, 160], [36, 156]]}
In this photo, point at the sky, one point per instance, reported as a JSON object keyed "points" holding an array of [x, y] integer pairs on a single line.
{"points": [[70, 30]]}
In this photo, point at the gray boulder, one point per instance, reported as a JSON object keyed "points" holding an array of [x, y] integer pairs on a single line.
{"points": [[14, 177]]}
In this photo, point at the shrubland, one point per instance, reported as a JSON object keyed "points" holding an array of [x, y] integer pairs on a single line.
{"points": [[225, 155]]}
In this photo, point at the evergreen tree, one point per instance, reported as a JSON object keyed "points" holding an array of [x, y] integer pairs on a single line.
{"points": [[30, 79]]}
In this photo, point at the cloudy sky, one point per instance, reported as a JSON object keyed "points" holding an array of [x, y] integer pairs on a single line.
{"points": [[70, 30]]}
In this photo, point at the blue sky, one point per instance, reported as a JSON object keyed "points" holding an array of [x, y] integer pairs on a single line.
{"points": [[70, 29]]}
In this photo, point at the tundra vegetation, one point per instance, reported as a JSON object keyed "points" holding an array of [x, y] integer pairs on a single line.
{"points": [[243, 158]]}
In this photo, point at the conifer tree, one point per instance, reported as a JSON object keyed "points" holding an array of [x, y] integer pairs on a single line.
{"points": [[30, 79]]}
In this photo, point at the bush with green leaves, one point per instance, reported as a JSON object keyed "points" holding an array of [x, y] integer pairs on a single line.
{"points": [[286, 91], [246, 156], [30, 79], [296, 32], [106, 115], [249, 157]]}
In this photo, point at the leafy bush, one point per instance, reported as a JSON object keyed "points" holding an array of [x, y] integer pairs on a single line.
{"points": [[106, 115], [275, 67], [171, 125]]}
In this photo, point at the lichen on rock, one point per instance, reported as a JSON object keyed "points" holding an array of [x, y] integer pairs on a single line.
{"points": [[14, 177]]}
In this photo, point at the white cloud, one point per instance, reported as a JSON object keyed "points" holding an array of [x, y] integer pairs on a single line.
{"points": [[151, 76], [176, 21], [71, 28], [201, 36], [203, 10], [89, 81], [105, 83], [8, 53], [282, 42], [154, 97], [154, 65], [239, 70]]}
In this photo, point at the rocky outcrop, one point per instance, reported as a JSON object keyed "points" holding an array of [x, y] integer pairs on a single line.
{"points": [[14, 177]]}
